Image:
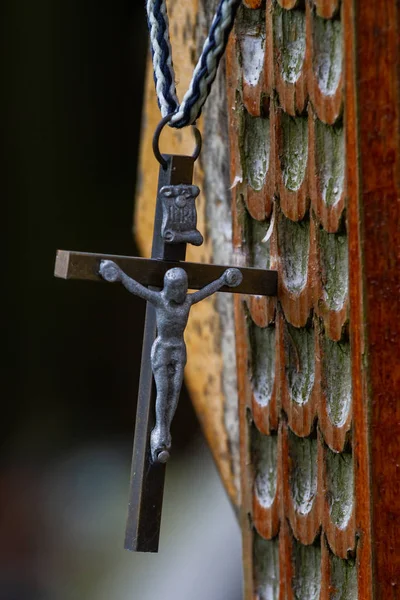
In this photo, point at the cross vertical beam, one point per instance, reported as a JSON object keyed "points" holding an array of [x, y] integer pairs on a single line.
{"points": [[147, 478]]}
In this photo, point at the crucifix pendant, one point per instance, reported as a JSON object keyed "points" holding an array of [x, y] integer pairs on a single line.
{"points": [[163, 282]]}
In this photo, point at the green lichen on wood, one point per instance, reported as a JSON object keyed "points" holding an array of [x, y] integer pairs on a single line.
{"points": [[334, 262], [328, 53], [262, 344], [266, 568], [303, 475], [294, 243], [259, 250], [294, 150], [306, 583], [336, 379], [330, 159], [290, 41], [256, 150], [250, 31], [340, 486], [343, 582], [299, 362], [264, 450]]}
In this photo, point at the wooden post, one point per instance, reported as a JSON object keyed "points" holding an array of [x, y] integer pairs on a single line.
{"points": [[312, 98], [318, 154]]}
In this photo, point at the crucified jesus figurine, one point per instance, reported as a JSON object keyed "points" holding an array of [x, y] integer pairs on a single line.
{"points": [[168, 353]]}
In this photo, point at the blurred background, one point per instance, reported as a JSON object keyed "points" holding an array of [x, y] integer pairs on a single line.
{"points": [[72, 74]]}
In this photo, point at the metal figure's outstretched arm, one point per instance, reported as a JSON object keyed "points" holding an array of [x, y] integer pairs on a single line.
{"points": [[112, 272], [231, 277]]}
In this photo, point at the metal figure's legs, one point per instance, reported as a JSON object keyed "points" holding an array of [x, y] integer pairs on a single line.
{"points": [[168, 381], [159, 439], [175, 389]]}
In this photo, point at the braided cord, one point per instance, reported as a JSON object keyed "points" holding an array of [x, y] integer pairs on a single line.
{"points": [[205, 71]]}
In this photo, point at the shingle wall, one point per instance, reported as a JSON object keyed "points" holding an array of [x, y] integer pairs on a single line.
{"points": [[288, 167]]}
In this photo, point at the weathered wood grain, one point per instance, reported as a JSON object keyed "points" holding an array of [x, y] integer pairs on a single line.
{"points": [[375, 216], [288, 164]]}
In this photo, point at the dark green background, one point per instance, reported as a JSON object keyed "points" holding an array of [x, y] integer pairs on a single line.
{"points": [[72, 81], [73, 74]]}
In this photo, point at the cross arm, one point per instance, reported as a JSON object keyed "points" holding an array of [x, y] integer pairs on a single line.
{"points": [[150, 272]]}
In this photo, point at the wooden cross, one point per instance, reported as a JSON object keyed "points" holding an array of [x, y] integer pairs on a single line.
{"points": [[147, 476]]}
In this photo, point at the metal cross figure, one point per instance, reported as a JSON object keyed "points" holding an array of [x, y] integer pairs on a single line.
{"points": [[168, 353], [163, 281]]}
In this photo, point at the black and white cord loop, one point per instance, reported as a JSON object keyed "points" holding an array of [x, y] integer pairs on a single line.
{"points": [[205, 71]]}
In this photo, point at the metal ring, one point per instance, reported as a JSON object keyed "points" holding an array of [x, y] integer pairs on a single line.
{"points": [[156, 139]]}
